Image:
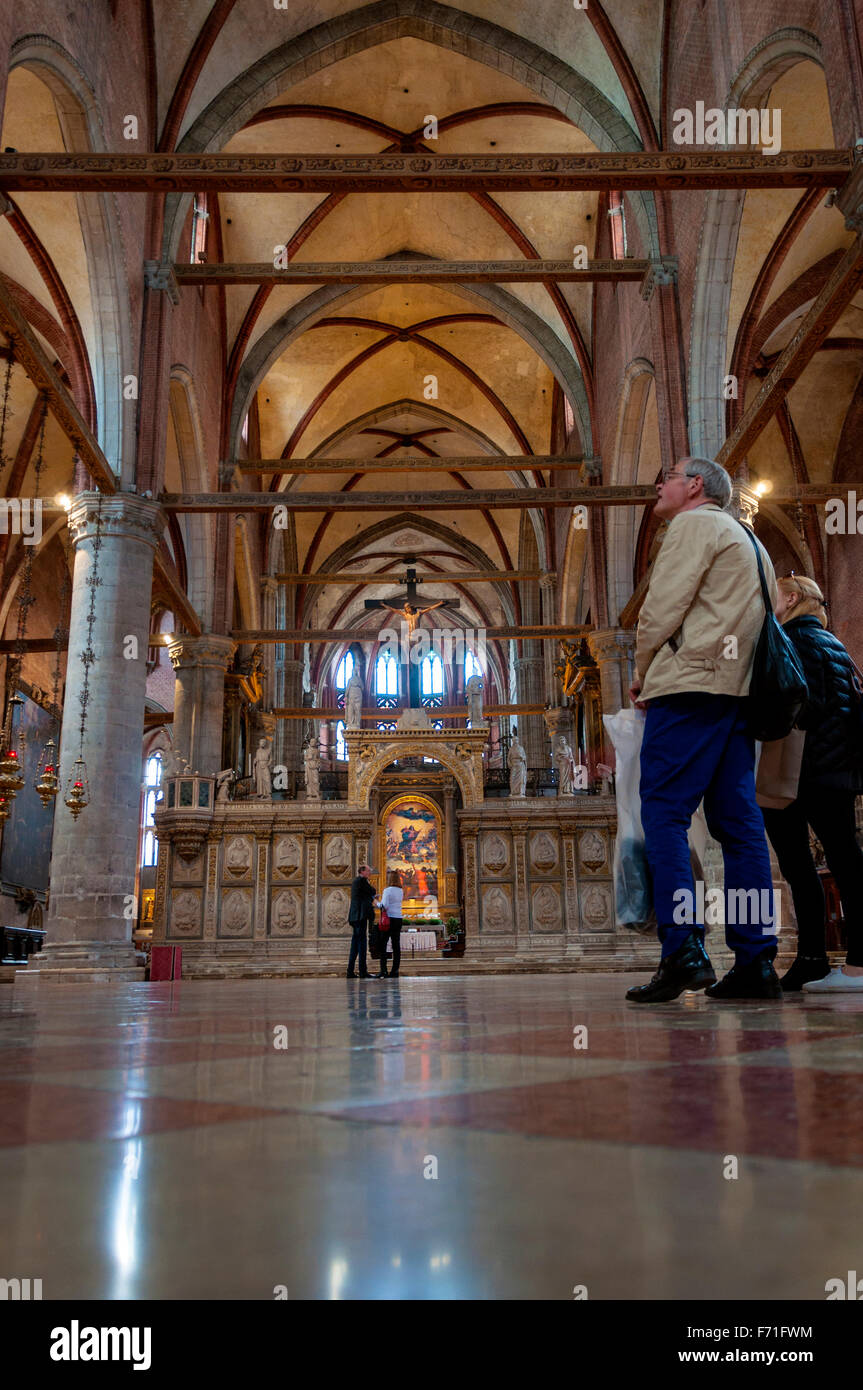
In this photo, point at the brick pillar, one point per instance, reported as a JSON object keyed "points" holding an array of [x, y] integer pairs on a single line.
{"points": [[200, 664], [94, 859], [660, 291]]}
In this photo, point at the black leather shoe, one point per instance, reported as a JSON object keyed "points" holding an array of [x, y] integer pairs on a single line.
{"points": [[804, 969], [686, 968], [351, 975], [755, 980]]}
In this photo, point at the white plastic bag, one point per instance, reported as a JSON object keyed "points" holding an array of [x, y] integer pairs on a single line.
{"points": [[633, 896], [633, 891]]}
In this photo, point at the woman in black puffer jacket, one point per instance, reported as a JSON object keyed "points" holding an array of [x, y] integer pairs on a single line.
{"points": [[831, 777]]}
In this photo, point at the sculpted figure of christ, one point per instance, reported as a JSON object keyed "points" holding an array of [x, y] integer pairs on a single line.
{"points": [[412, 615]]}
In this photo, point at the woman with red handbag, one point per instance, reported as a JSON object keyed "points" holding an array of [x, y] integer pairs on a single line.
{"points": [[391, 923]]}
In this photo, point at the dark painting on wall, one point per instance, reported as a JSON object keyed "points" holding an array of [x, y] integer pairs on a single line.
{"points": [[26, 849]]}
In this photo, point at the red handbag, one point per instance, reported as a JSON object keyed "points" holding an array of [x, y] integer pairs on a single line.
{"points": [[384, 923]]}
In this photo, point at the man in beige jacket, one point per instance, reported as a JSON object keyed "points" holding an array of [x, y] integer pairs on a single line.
{"points": [[697, 634]]}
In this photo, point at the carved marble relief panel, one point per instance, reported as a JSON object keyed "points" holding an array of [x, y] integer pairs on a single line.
{"points": [[235, 919], [597, 908], [546, 909], [335, 905], [495, 854], [496, 914], [287, 857], [238, 858], [286, 912], [188, 871], [593, 851], [544, 852], [337, 857], [186, 905]]}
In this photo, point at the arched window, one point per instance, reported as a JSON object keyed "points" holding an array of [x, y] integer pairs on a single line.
{"points": [[341, 746], [152, 778], [386, 675], [472, 667], [344, 671], [200, 218], [431, 675]]}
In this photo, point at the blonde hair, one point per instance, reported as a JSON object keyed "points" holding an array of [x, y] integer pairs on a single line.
{"points": [[809, 598]]}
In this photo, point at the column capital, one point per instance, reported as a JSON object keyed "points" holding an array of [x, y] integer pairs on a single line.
{"points": [[269, 584], [548, 581], [159, 275], [744, 502], [210, 649], [661, 271], [123, 514], [611, 644]]}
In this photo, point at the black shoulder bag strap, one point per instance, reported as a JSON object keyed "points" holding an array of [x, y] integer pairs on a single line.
{"points": [[765, 592]]}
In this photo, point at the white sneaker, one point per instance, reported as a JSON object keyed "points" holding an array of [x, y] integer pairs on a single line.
{"points": [[837, 982]]}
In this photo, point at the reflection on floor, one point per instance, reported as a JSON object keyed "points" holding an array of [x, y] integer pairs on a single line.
{"points": [[426, 1138]]}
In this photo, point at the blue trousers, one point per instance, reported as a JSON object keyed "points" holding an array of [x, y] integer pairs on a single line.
{"points": [[696, 746]]}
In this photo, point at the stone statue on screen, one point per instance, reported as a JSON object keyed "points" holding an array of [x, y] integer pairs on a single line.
{"points": [[261, 769], [224, 781], [564, 762], [473, 691], [354, 702], [517, 763], [312, 765]]}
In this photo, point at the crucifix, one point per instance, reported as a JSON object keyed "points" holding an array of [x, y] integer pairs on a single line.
{"points": [[411, 613]]}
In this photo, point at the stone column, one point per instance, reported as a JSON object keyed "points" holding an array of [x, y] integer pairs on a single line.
{"points": [[200, 664], [94, 859], [529, 675], [613, 650], [289, 733], [548, 606]]}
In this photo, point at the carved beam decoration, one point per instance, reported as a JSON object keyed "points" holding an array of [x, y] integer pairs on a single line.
{"points": [[397, 271], [443, 463], [359, 634], [376, 715], [420, 172], [475, 499], [814, 327], [440, 577]]}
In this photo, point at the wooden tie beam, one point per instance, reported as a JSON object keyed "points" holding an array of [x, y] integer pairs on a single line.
{"points": [[636, 495], [422, 272], [420, 172], [463, 463], [474, 499], [438, 577], [324, 636]]}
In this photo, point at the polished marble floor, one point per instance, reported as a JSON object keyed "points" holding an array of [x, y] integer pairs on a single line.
{"points": [[427, 1139]]}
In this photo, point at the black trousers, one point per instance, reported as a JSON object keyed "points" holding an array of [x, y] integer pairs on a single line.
{"points": [[831, 815], [359, 942], [394, 932]]}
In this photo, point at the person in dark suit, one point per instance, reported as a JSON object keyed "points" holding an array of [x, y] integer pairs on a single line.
{"points": [[362, 912]]}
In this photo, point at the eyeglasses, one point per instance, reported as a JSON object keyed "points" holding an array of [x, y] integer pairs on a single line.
{"points": [[671, 473]]}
